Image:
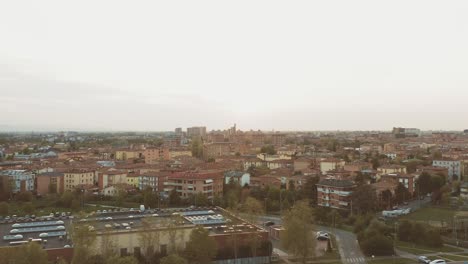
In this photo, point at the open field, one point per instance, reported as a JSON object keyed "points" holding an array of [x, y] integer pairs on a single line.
{"points": [[391, 261], [431, 215]]}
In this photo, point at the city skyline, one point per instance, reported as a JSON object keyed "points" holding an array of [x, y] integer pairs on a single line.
{"points": [[265, 65]]}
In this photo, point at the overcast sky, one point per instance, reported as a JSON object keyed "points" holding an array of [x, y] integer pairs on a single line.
{"points": [[283, 65]]}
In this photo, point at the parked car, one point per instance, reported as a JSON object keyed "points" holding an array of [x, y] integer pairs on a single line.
{"points": [[321, 235], [438, 261], [423, 259], [268, 223]]}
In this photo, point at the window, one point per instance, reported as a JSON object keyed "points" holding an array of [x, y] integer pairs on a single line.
{"points": [[163, 250], [123, 252], [137, 252]]}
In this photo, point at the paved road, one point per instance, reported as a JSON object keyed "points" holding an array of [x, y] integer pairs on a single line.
{"points": [[348, 246]]}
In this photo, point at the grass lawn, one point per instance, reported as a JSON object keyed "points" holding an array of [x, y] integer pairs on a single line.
{"points": [[420, 250], [431, 214], [451, 257]]}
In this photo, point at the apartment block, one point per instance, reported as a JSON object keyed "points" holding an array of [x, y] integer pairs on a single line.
{"points": [[78, 178], [189, 183], [19, 180], [156, 155], [49, 182], [454, 168], [335, 193]]}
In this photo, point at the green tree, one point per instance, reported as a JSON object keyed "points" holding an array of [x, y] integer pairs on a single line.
{"points": [[309, 190], [84, 238], [24, 197], [401, 193], [4, 208], [387, 198], [150, 238], [437, 181], [298, 237], [31, 253], [253, 209], [121, 195], [197, 147], [404, 231], [174, 198], [364, 199], [150, 198], [66, 199], [173, 259], [418, 233], [268, 149], [377, 245], [424, 183], [201, 248], [433, 238]]}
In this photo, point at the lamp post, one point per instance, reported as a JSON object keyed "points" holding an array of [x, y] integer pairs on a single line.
{"points": [[394, 240]]}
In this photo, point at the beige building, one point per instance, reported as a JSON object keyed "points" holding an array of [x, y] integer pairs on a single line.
{"points": [[390, 169], [180, 152], [128, 154], [111, 177], [156, 155], [78, 178], [331, 164]]}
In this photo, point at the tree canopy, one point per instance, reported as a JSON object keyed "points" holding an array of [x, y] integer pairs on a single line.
{"points": [[201, 248], [298, 236]]}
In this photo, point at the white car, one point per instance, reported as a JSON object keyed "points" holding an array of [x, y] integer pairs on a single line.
{"points": [[424, 260], [42, 235], [438, 261], [321, 235]]}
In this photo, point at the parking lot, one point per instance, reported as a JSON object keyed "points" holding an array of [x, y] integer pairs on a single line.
{"points": [[30, 228]]}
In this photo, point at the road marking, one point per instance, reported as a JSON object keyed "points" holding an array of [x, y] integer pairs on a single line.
{"points": [[356, 260]]}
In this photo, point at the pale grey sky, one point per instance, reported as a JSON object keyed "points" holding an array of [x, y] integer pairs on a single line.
{"points": [[284, 65]]}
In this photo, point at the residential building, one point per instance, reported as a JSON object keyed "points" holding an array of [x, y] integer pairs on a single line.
{"points": [[408, 180], [331, 164], [302, 164], [111, 177], [464, 190], [189, 183], [278, 139], [268, 157], [174, 153], [49, 182], [335, 193], [153, 180], [196, 132], [454, 168], [79, 178], [128, 154], [389, 169], [239, 177], [218, 149], [20, 180], [156, 155], [133, 180], [401, 132]]}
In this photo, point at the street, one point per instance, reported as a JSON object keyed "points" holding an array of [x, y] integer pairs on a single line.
{"points": [[348, 246]]}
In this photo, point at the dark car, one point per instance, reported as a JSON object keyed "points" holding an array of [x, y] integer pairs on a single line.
{"points": [[268, 223]]}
